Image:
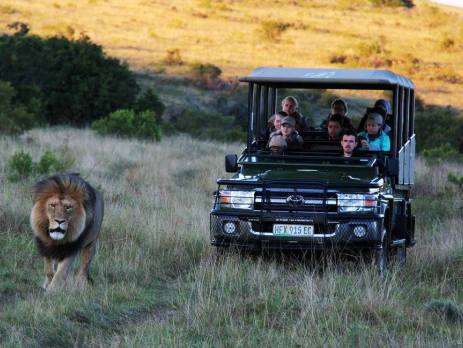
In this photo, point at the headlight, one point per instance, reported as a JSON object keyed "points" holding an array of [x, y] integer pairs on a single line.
{"points": [[236, 199], [352, 202]]}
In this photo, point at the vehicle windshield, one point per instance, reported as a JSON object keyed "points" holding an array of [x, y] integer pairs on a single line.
{"points": [[317, 122]]}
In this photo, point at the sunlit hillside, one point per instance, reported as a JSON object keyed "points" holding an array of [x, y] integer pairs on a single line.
{"points": [[424, 42]]}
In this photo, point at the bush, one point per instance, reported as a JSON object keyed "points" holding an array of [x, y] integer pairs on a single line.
{"points": [[446, 309], [392, 3], [49, 163], [443, 152], [20, 165], [75, 81], [150, 101], [455, 179], [128, 123], [205, 72], [436, 126], [14, 117], [272, 30], [173, 57], [213, 126]]}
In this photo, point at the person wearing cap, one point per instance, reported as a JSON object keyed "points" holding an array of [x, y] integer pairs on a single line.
{"points": [[289, 105], [289, 133], [374, 138], [383, 107], [338, 106], [274, 122]]}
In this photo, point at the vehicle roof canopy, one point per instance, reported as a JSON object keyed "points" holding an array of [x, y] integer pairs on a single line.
{"points": [[328, 78]]}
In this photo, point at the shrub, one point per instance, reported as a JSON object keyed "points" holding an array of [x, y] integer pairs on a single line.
{"points": [[455, 179], [14, 117], [436, 126], [150, 101], [447, 309], [272, 30], [49, 163], [74, 80], [173, 57], [205, 72], [128, 123], [392, 3], [209, 126], [439, 153], [20, 166]]}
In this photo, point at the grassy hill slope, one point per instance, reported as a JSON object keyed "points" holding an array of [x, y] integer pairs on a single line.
{"points": [[424, 42], [157, 281]]}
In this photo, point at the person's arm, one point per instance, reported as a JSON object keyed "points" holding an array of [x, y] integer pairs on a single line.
{"points": [[386, 143]]}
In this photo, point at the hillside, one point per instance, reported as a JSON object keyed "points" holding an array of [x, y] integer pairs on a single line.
{"points": [[158, 283], [423, 42]]}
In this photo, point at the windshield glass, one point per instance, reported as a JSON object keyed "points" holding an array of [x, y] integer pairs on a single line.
{"points": [[335, 121]]}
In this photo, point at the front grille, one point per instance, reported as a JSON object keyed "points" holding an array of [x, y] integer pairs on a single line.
{"points": [[295, 199]]}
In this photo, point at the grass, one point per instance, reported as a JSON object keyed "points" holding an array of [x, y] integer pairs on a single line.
{"points": [[423, 42], [159, 283]]}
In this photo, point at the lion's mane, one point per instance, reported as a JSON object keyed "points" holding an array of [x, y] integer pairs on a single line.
{"points": [[70, 185]]}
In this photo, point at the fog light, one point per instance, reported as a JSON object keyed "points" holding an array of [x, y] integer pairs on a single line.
{"points": [[360, 231], [229, 227]]}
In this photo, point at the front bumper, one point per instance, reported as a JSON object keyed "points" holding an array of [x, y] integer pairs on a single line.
{"points": [[334, 233]]}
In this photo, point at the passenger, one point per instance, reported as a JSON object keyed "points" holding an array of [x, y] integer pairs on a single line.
{"points": [[383, 107], [274, 122], [277, 145], [338, 106], [290, 105], [293, 140], [348, 142], [374, 138], [334, 127]]}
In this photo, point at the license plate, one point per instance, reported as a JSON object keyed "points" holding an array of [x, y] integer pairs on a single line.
{"points": [[292, 230]]}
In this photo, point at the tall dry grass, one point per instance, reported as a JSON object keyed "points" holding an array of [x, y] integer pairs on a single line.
{"points": [[158, 282]]}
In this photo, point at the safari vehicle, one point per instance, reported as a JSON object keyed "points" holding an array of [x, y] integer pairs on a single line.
{"points": [[315, 199]]}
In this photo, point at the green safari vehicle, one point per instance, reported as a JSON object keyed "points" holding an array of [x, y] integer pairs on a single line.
{"points": [[314, 198]]}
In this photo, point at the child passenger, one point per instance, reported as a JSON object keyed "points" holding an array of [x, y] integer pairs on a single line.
{"points": [[288, 132], [374, 138]]}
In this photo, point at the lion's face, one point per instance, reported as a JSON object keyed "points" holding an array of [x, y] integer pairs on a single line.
{"points": [[61, 213]]}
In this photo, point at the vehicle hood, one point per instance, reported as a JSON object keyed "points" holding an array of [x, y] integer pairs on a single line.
{"points": [[332, 175]]}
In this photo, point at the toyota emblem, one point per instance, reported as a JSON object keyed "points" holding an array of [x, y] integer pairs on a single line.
{"points": [[295, 200]]}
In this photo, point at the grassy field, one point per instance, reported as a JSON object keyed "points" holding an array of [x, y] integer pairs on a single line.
{"points": [[424, 42], [157, 282]]}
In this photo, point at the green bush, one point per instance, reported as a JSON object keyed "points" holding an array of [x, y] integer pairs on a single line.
{"points": [[20, 166], [213, 126], [74, 81], [49, 163], [205, 72], [128, 123], [272, 30], [455, 179], [150, 101], [14, 117], [435, 127], [443, 152]]}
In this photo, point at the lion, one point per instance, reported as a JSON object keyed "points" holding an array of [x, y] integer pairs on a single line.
{"points": [[66, 219]]}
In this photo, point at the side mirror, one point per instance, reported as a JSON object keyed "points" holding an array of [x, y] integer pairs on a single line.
{"points": [[392, 166], [231, 163]]}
